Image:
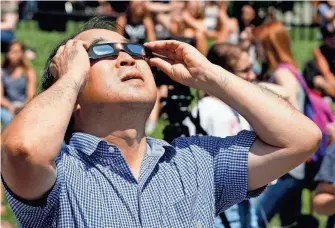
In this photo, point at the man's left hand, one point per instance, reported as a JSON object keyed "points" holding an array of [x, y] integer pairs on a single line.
{"points": [[185, 64]]}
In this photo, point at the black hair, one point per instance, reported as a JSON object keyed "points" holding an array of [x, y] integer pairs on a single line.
{"points": [[225, 55], [48, 79]]}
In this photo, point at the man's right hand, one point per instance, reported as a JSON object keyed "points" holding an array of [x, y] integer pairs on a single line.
{"points": [[72, 59], [26, 159]]}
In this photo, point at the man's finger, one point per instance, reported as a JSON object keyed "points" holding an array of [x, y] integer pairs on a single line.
{"points": [[85, 44], [53, 70], [164, 65], [165, 54], [163, 44], [69, 44], [60, 50]]}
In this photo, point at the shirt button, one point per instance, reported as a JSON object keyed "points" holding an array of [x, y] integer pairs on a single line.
{"points": [[198, 224], [111, 149]]}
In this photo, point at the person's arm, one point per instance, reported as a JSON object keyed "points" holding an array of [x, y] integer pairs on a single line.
{"points": [[192, 22], [31, 142], [280, 90], [328, 84], [286, 137], [31, 84], [122, 22], [324, 199], [323, 66], [149, 27], [287, 80], [9, 22], [157, 7]]}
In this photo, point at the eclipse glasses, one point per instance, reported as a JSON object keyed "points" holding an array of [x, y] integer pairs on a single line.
{"points": [[98, 51]]}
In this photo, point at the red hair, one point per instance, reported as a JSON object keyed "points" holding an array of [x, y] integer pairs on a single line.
{"points": [[276, 43]]}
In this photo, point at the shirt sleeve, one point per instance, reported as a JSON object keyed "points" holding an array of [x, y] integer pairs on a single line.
{"points": [[231, 170], [229, 159], [40, 212], [327, 170]]}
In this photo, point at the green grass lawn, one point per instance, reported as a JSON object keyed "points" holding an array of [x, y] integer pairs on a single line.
{"points": [[43, 42]]}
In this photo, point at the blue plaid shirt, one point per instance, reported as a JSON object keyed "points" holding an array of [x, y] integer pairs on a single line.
{"points": [[185, 184]]}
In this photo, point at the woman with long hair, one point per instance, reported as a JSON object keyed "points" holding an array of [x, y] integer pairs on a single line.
{"points": [[18, 82], [284, 196], [136, 24], [277, 52]]}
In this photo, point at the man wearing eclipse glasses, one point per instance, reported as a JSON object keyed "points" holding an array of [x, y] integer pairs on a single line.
{"points": [[98, 93]]}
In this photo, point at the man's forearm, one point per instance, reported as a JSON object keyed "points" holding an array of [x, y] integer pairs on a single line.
{"points": [[274, 120], [40, 127]]}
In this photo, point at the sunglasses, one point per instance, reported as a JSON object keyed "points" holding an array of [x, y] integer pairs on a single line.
{"points": [[99, 51]]}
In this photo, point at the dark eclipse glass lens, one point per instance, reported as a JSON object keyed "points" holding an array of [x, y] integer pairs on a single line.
{"points": [[103, 49], [136, 49]]}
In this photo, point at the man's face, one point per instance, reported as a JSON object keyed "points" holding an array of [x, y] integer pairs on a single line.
{"points": [[119, 80]]}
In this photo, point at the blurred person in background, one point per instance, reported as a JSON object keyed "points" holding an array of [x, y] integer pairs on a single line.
{"points": [[227, 28], [284, 196], [324, 199], [18, 82], [325, 63], [136, 23], [104, 7], [248, 16], [219, 119], [192, 25], [211, 15], [326, 10], [164, 12], [4, 224], [9, 19]]}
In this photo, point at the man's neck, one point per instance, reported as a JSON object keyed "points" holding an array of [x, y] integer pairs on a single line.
{"points": [[127, 131], [132, 145]]}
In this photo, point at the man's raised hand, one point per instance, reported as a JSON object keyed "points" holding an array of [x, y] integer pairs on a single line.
{"points": [[186, 64], [71, 59]]}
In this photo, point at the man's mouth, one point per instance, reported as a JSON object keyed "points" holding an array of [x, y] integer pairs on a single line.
{"points": [[131, 76]]}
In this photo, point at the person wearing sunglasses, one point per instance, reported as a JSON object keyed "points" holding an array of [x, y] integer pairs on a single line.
{"points": [[110, 174]]}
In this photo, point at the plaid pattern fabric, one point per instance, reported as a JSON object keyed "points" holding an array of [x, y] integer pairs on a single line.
{"points": [[185, 184]]}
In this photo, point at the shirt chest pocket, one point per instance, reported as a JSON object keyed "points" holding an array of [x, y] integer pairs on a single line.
{"points": [[182, 212]]}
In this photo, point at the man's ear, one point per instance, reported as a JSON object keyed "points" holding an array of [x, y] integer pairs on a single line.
{"points": [[75, 117], [76, 108], [76, 111]]}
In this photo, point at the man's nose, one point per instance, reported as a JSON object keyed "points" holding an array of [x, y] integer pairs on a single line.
{"points": [[124, 59]]}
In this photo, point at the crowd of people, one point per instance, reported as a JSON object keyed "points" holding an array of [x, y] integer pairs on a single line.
{"points": [[256, 50]]}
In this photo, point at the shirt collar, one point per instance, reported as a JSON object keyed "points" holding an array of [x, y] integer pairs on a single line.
{"points": [[88, 144]]}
